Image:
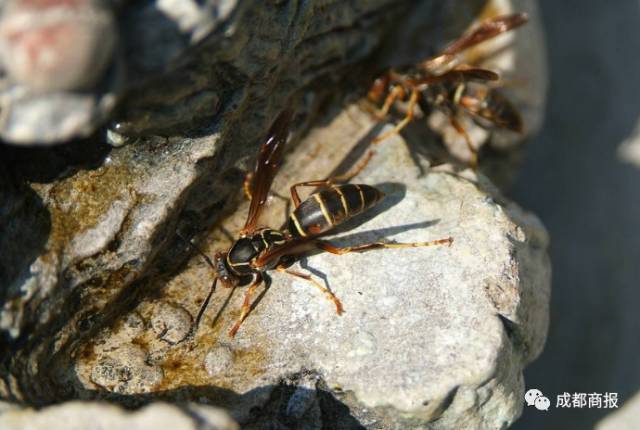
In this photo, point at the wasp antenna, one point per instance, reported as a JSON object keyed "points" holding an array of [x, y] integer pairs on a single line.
{"points": [[204, 306]]}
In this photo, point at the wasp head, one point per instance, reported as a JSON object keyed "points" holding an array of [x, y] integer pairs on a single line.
{"points": [[228, 279]]}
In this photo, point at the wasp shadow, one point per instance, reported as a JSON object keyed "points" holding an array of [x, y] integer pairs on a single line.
{"points": [[285, 405], [394, 193]]}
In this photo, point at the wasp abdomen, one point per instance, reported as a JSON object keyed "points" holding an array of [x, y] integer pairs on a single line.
{"points": [[323, 210]]}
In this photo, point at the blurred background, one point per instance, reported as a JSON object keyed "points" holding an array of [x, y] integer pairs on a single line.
{"points": [[582, 177]]}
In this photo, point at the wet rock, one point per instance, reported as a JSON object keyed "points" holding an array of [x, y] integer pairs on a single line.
{"points": [[125, 370], [171, 323], [83, 415], [133, 325]]}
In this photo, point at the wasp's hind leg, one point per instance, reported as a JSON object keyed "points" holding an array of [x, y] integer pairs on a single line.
{"points": [[413, 100], [397, 93], [460, 129], [327, 292], [325, 246]]}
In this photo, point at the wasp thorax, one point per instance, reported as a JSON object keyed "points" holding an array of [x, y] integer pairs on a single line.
{"points": [[246, 249], [242, 251]]}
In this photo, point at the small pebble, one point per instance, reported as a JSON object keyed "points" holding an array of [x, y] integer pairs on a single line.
{"points": [[218, 359]]}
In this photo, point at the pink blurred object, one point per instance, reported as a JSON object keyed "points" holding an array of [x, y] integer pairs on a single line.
{"points": [[56, 45]]}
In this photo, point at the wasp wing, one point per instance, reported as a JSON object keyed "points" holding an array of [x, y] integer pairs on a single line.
{"points": [[292, 247], [485, 31], [267, 165], [460, 74]]}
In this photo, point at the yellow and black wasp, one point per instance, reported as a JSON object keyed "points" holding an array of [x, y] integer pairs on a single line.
{"points": [[260, 249]]}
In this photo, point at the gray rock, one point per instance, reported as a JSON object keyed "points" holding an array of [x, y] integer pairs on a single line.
{"points": [[94, 415], [304, 396], [124, 370], [218, 359], [626, 418], [88, 229], [430, 338], [440, 333]]}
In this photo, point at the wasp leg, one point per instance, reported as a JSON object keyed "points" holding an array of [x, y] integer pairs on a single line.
{"points": [[460, 129], [246, 185], [316, 284], [397, 93], [325, 246], [330, 181], [203, 307], [246, 305], [319, 183], [294, 188], [346, 177], [413, 100]]}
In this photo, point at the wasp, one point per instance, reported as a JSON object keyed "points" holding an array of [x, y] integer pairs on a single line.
{"points": [[442, 82], [260, 249]]}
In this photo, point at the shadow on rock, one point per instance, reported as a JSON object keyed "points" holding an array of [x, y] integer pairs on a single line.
{"points": [[287, 405], [24, 230]]}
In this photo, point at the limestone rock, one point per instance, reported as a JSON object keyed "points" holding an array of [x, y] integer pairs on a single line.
{"points": [[94, 415], [82, 223], [626, 418], [434, 337], [171, 323], [96, 296]]}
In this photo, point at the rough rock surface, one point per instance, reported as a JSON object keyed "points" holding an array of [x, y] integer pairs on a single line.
{"points": [[82, 223], [626, 418], [434, 335], [88, 233], [95, 416]]}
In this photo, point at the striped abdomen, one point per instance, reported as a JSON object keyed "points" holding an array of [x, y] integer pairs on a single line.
{"points": [[323, 210]]}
